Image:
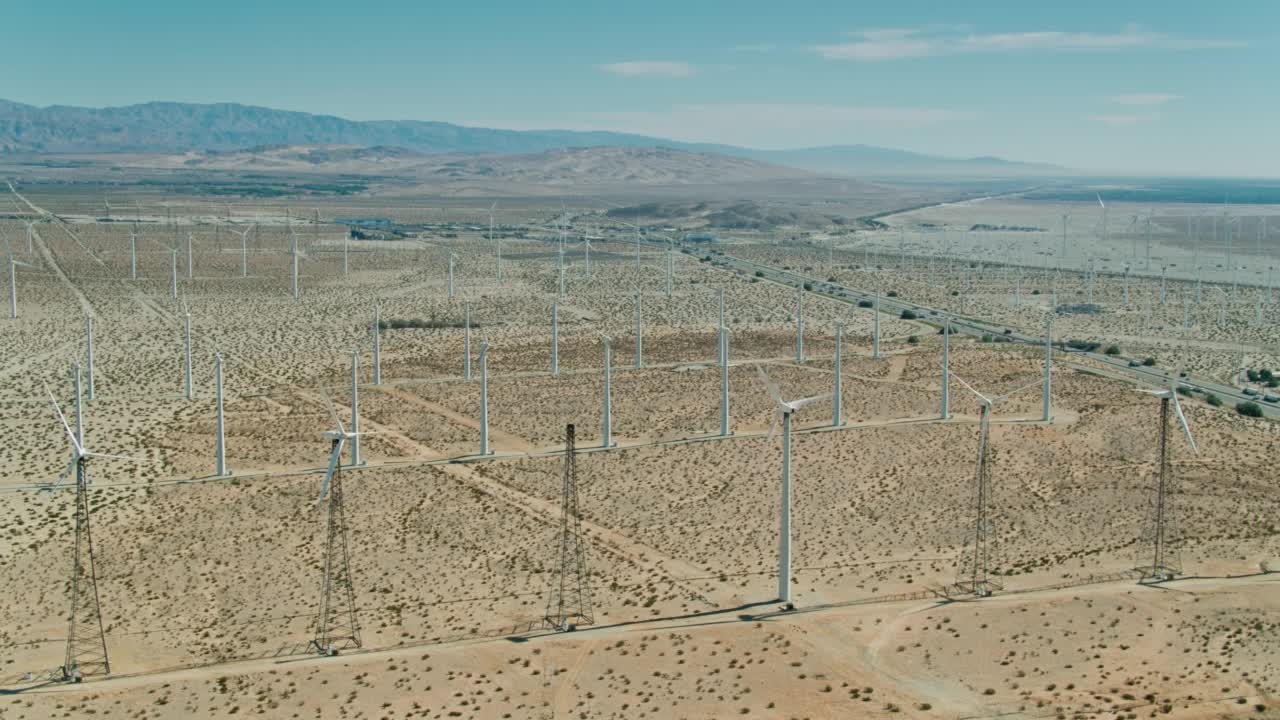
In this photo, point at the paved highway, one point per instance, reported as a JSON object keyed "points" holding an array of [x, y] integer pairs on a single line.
{"points": [[976, 326]]}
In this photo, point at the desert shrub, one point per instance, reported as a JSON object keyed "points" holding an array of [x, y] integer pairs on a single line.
{"points": [[908, 315], [865, 304], [1249, 409], [1084, 345], [913, 340], [427, 323], [1149, 362], [1213, 400], [1080, 309], [892, 293], [759, 273], [1113, 350]]}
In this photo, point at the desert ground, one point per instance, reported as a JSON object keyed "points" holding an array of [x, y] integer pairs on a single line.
{"points": [[209, 585]]}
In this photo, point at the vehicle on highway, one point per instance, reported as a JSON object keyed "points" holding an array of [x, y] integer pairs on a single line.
{"points": [[1134, 363], [1271, 398], [1250, 392]]}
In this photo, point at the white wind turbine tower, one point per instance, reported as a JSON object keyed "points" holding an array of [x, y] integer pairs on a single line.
{"points": [[377, 344], [1165, 563], [946, 370], [837, 416], [244, 249], [133, 253], [784, 411], [639, 359], [555, 339], [354, 435], [220, 438], [14, 264], [723, 352], [800, 323], [606, 423], [452, 259], [30, 236], [88, 349], [186, 375], [668, 268], [190, 258], [466, 342], [499, 242], [296, 252], [484, 399]]}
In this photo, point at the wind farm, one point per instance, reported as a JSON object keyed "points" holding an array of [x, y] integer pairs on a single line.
{"points": [[690, 516], [659, 361]]}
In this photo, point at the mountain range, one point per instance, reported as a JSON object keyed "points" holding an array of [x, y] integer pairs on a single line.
{"points": [[169, 127]]}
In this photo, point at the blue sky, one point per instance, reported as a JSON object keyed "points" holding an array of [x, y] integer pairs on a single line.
{"points": [[1144, 86]]}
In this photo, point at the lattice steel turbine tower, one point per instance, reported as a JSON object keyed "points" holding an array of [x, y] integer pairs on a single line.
{"points": [[1158, 556], [337, 626], [569, 604]]}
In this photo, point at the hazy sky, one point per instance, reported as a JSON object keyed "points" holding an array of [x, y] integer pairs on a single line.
{"points": [[1143, 86]]}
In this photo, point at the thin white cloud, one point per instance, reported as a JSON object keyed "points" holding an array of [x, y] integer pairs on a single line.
{"points": [[1121, 120], [1144, 99], [754, 48], [637, 68], [894, 44]]}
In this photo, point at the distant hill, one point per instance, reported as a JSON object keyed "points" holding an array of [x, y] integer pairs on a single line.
{"points": [[166, 127], [601, 165]]}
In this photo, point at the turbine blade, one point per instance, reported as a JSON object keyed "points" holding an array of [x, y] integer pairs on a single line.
{"points": [[111, 457], [1177, 407], [797, 404], [334, 456], [61, 418], [1037, 383], [982, 397], [769, 384], [773, 428], [333, 414]]}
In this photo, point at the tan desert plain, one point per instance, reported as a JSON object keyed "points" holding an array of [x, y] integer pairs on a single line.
{"points": [[939, 566]]}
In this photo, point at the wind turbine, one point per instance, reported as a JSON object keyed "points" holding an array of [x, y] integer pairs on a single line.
{"points": [[14, 264], [784, 412], [1165, 563], [244, 249], [296, 252], [86, 648], [337, 626], [975, 576]]}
